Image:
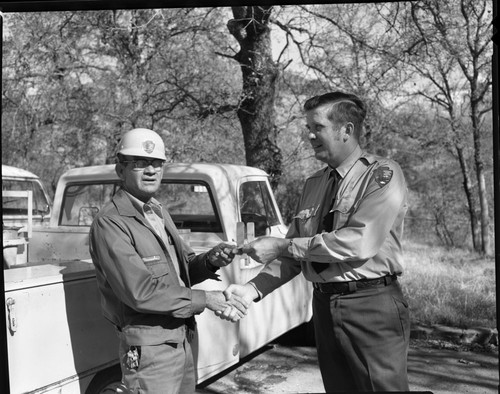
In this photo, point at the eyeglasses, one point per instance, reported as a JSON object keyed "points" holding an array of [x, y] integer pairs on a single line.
{"points": [[141, 164]]}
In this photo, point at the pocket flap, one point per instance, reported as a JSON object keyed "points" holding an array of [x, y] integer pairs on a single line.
{"points": [[157, 268]]}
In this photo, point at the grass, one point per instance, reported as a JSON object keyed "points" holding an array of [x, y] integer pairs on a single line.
{"points": [[453, 287]]}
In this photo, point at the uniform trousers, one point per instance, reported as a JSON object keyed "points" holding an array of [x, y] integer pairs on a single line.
{"points": [[362, 339], [167, 368]]}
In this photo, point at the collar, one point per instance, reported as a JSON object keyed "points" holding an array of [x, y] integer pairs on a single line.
{"points": [[136, 203], [128, 205], [347, 164], [140, 206]]}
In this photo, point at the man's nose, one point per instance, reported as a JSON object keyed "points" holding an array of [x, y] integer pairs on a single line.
{"points": [[311, 135], [149, 168]]}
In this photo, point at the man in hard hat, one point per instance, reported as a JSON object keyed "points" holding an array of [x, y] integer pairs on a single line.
{"points": [[145, 272]]}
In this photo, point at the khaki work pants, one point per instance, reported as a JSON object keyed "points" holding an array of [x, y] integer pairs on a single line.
{"points": [[362, 339], [167, 368]]}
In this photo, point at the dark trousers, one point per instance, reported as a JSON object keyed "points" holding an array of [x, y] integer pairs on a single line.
{"points": [[362, 339], [162, 369]]}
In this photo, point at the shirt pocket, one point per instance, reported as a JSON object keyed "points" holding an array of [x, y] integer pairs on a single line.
{"points": [[308, 220], [342, 210], [157, 268]]}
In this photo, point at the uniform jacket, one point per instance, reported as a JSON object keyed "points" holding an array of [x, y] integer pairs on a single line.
{"points": [[368, 213], [140, 289]]}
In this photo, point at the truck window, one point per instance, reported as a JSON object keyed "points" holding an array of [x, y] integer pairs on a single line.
{"points": [[191, 206], [19, 206], [256, 206], [82, 202]]}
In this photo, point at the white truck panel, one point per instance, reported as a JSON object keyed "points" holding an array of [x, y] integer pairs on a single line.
{"points": [[59, 333]]}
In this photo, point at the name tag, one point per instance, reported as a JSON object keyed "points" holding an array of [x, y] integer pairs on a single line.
{"points": [[150, 259]]}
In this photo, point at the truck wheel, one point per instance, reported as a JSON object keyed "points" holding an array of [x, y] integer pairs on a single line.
{"points": [[106, 381]]}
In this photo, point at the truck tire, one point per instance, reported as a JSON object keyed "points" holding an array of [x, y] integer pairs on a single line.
{"points": [[106, 381]]}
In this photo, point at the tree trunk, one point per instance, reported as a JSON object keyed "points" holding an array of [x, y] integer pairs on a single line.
{"points": [[481, 183], [474, 220], [256, 110]]}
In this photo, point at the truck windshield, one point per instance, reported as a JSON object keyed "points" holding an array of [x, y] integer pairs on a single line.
{"points": [[256, 206], [190, 204]]}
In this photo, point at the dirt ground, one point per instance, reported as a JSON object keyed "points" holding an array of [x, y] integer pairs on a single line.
{"points": [[432, 367]]}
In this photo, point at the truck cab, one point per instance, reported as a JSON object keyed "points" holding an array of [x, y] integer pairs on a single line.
{"points": [[54, 296]]}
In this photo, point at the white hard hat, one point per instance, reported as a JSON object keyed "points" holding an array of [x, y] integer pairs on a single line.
{"points": [[142, 142]]}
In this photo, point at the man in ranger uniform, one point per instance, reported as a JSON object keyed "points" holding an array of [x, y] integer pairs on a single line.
{"points": [[145, 271], [346, 239]]}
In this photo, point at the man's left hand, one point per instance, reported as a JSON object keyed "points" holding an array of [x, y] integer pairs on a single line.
{"points": [[222, 254], [266, 249]]}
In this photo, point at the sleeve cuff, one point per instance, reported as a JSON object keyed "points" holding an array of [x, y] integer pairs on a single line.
{"points": [[262, 286], [198, 301], [212, 269], [257, 290], [208, 264], [298, 248]]}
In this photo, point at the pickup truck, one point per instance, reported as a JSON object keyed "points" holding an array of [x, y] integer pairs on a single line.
{"points": [[58, 340]]}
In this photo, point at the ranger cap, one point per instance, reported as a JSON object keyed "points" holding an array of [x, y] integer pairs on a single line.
{"points": [[142, 142]]}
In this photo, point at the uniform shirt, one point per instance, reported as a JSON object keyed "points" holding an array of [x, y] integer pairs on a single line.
{"points": [[152, 211], [368, 213], [140, 290]]}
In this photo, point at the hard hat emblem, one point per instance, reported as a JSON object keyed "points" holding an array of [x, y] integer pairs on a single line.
{"points": [[148, 146]]}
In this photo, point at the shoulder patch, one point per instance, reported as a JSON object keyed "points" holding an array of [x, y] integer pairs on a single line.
{"points": [[382, 175]]}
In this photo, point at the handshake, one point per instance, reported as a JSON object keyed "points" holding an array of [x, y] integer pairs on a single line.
{"points": [[232, 304]]}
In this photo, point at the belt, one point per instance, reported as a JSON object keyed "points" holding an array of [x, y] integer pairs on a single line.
{"points": [[355, 285]]}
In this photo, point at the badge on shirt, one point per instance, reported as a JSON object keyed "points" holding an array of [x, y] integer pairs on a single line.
{"points": [[383, 176]]}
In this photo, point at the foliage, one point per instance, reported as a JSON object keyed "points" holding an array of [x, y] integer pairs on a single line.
{"points": [[74, 81], [424, 70], [449, 47]]}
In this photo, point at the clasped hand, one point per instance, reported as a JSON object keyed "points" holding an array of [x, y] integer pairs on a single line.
{"points": [[232, 309], [236, 295]]}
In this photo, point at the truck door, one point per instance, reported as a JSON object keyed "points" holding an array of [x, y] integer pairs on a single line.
{"points": [[287, 306]]}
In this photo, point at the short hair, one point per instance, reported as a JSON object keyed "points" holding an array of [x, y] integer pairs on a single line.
{"points": [[344, 107]]}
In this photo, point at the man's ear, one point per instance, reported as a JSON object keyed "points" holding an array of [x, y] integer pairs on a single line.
{"points": [[119, 170], [348, 131]]}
